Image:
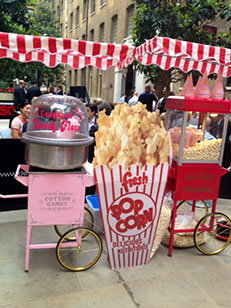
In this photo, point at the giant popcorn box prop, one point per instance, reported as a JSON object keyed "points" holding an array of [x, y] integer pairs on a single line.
{"points": [[130, 203]]}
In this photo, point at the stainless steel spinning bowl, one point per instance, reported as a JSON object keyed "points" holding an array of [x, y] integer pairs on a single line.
{"points": [[44, 151]]}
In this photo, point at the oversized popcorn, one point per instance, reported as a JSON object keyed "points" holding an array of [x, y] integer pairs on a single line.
{"points": [[132, 135]]}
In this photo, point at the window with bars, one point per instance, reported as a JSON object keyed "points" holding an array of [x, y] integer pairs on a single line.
{"points": [[130, 23], [77, 16], [92, 6], [101, 32], [91, 37], [114, 28], [71, 21]]}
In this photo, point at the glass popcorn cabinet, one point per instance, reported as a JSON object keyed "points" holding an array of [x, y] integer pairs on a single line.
{"points": [[197, 131]]}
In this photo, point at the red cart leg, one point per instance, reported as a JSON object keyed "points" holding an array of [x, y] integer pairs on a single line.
{"points": [[28, 242], [172, 229]]}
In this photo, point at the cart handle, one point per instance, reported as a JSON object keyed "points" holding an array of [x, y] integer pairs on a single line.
{"points": [[22, 179], [13, 196]]}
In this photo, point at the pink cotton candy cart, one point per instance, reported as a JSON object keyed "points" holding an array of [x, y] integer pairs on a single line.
{"points": [[57, 198]]}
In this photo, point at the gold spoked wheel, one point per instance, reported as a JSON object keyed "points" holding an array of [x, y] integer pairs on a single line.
{"points": [[87, 223], [201, 208], [81, 254], [212, 233]]}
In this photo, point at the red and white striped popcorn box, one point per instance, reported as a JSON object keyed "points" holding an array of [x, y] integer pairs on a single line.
{"points": [[130, 204], [218, 89], [188, 90], [202, 88]]}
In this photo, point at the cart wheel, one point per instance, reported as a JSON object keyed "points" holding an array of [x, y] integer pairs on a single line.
{"points": [[81, 254], [212, 233], [186, 206], [87, 223]]}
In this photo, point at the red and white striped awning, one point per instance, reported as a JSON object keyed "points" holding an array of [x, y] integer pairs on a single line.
{"points": [[54, 51], [187, 56], [164, 52]]}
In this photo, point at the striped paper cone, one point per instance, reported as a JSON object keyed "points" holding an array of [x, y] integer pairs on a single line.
{"points": [[202, 88], [218, 89], [188, 90], [130, 203]]}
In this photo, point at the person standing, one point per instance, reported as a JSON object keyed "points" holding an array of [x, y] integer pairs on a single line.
{"points": [[147, 98], [19, 95], [92, 127], [33, 91], [123, 99], [17, 123], [59, 90], [134, 100]]}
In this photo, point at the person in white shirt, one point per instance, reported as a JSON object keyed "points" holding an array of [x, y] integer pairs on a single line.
{"points": [[134, 100], [92, 117]]}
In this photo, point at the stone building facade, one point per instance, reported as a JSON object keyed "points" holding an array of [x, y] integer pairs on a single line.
{"points": [[106, 21]]}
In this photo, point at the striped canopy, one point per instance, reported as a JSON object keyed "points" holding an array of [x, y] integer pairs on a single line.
{"points": [[187, 56], [54, 51], [164, 52]]}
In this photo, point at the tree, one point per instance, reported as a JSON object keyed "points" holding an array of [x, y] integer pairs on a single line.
{"points": [[41, 23], [183, 20], [13, 15]]}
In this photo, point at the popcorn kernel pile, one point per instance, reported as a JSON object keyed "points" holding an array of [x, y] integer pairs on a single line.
{"points": [[204, 150], [132, 135]]}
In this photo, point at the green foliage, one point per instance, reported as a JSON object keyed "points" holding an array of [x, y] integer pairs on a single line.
{"points": [[183, 20], [13, 15], [41, 22]]}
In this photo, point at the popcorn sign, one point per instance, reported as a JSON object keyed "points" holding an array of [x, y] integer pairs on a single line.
{"points": [[130, 203]]}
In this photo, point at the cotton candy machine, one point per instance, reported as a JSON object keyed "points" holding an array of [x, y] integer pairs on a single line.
{"points": [[57, 135]]}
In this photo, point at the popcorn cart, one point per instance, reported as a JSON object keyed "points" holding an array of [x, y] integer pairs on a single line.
{"points": [[197, 168]]}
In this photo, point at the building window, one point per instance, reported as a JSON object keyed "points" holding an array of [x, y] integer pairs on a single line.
{"points": [[58, 10], [101, 33], [76, 77], [130, 22], [90, 83], [77, 16], [228, 82], [100, 82], [92, 6], [71, 22], [61, 28], [91, 38], [102, 2], [84, 37], [84, 9], [61, 6], [53, 4], [114, 28], [70, 75]]}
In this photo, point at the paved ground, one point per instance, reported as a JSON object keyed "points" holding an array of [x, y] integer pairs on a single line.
{"points": [[188, 279]]}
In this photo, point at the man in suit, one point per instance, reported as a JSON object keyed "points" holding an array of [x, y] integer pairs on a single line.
{"points": [[59, 90], [33, 91], [147, 98], [19, 95]]}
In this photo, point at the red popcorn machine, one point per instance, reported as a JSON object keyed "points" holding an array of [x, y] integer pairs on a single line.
{"points": [[197, 129]]}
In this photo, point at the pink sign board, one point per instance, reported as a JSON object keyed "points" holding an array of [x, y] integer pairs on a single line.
{"points": [[130, 203], [56, 198]]}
